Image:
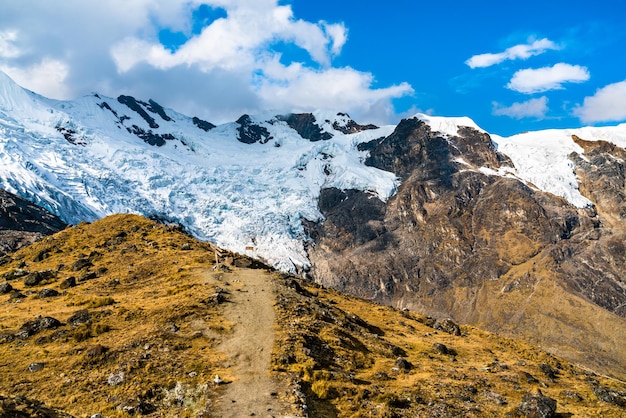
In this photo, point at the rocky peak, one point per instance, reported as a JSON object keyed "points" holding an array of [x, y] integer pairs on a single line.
{"points": [[414, 146], [250, 132], [306, 126]]}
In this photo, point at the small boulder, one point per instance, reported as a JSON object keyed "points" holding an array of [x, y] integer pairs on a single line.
{"points": [[35, 367], [535, 405], [47, 293], [81, 264], [443, 349], [185, 247], [447, 325], [87, 276], [39, 324], [33, 279], [15, 274], [5, 288], [79, 318], [116, 379], [403, 364], [67, 283]]}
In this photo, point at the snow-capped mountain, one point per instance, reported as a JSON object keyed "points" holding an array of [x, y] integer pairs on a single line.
{"points": [[245, 185]]}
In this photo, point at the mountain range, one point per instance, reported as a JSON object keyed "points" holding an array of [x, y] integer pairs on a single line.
{"points": [[521, 235]]}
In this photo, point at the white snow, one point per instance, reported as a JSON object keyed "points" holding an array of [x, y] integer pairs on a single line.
{"points": [[221, 189], [236, 195]]}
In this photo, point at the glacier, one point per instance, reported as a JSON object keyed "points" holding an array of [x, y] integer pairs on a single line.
{"points": [[246, 186]]}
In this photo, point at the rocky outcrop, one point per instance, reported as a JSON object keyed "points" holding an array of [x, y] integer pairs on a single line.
{"points": [[249, 133], [306, 126], [482, 249], [22, 223]]}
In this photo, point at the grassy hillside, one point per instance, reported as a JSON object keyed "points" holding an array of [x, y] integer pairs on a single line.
{"points": [[139, 335]]}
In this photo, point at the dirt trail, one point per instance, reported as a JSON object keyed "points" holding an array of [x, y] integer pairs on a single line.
{"points": [[251, 308]]}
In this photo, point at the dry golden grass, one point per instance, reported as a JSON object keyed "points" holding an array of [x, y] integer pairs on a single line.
{"points": [[150, 317], [345, 352], [150, 314]]}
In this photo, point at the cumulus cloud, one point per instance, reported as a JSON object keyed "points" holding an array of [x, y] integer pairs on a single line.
{"points": [[533, 108], [113, 47], [608, 104], [536, 80], [46, 77], [521, 51]]}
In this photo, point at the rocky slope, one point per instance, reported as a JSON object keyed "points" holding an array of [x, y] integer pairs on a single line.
{"points": [[127, 317], [22, 223], [487, 250]]}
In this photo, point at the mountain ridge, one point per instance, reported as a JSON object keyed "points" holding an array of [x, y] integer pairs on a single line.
{"points": [[427, 214]]}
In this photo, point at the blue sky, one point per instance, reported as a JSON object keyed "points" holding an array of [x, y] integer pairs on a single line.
{"points": [[510, 66]]}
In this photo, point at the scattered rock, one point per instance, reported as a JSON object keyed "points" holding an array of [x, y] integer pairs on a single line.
{"points": [[549, 371], [35, 367], [81, 264], [33, 279], [47, 293], [16, 294], [185, 247], [218, 380], [535, 405], [116, 379], [41, 255], [495, 398], [39, 324], [403, 365], [96, 351], [87, 276], [529, 378], [610, 396], [442, 349], [79, 318], [5, 288], [15, 274], [67, 283], [447, 325]]}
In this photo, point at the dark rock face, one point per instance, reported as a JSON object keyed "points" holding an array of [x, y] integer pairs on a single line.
{"points": [[135, 105], [22, 223], [351, 127], [486, 250], [202, 124], [250, 133], [306, 126]]}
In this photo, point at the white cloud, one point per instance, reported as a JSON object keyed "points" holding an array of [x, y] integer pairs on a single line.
{"points": [[608, 104], [305, 89], [7, 46], [533, 108], [113, 47], [46, 77], [536, 80], [521, 51]]}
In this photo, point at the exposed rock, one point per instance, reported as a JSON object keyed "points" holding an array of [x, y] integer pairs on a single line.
{"points": [[535, 405], [115, 379], [22, 407], [15, 274], [35, 367], [448, 325], [47, 293], [457, 242], [306, 126], [443, 349], [5, 288], [67, 283], [31, 328], [34, 278], [22, 222], [88, 276], [202, 124], [249, 133], [79, 317], [81, 264], [403, 365]]}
